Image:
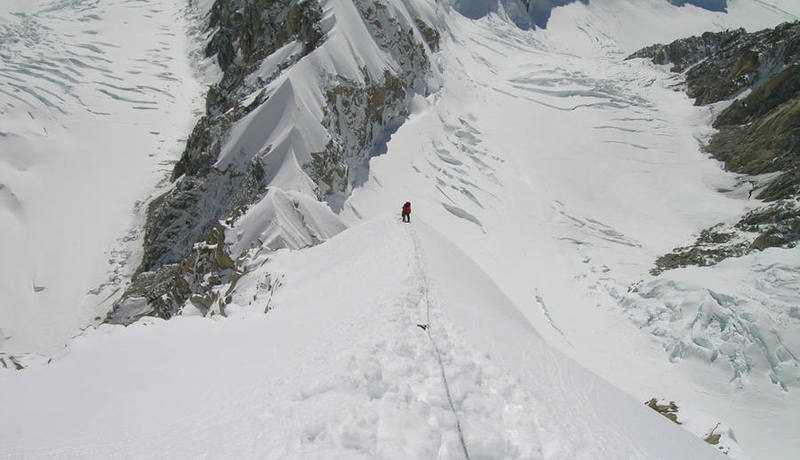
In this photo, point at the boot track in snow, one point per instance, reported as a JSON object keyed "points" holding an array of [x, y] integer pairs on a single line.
{"points": [[420, 265]]}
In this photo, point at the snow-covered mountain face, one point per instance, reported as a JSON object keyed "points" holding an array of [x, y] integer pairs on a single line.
{"points": [[520, 132]]}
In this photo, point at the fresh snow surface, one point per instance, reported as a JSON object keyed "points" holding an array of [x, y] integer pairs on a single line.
{"points": [[564, 171], [96, 99], [338, 368]]}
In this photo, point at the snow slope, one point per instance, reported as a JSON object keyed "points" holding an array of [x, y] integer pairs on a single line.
{"points": [[564, 171], [338, 368], [96, 98]]}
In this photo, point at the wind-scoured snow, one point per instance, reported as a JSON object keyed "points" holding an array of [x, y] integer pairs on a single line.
{"points": [[338, 368], [96, 99]]}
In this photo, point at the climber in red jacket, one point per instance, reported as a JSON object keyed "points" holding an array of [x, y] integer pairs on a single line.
{"points": [[406, 212]]}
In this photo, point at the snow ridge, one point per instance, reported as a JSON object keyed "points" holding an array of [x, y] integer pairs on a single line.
{"points": [[546, 164], [429, 331]]}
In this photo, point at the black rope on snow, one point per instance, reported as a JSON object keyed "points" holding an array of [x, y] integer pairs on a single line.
{"points": [[427, 329]]}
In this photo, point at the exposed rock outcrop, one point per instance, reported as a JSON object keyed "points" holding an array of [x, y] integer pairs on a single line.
{"points": [[720, 65], [164, 292], [10, 362], [669, 410]]}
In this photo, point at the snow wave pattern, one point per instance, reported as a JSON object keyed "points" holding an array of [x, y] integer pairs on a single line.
{"points": [[56, 73]]}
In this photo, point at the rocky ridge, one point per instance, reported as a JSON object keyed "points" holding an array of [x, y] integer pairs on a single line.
{"points": [[758, 134]]}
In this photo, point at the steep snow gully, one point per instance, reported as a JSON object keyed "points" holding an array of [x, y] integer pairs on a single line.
{"points": [[337, 369]]}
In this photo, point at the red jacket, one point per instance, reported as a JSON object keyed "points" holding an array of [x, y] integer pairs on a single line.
{"points": [[407, 208]]}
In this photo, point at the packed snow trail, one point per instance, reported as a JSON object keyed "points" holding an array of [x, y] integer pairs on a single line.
{"points": [[429, 331]]}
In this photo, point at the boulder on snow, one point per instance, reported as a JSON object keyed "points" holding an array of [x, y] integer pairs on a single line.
{"points": [[669, 410]]}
